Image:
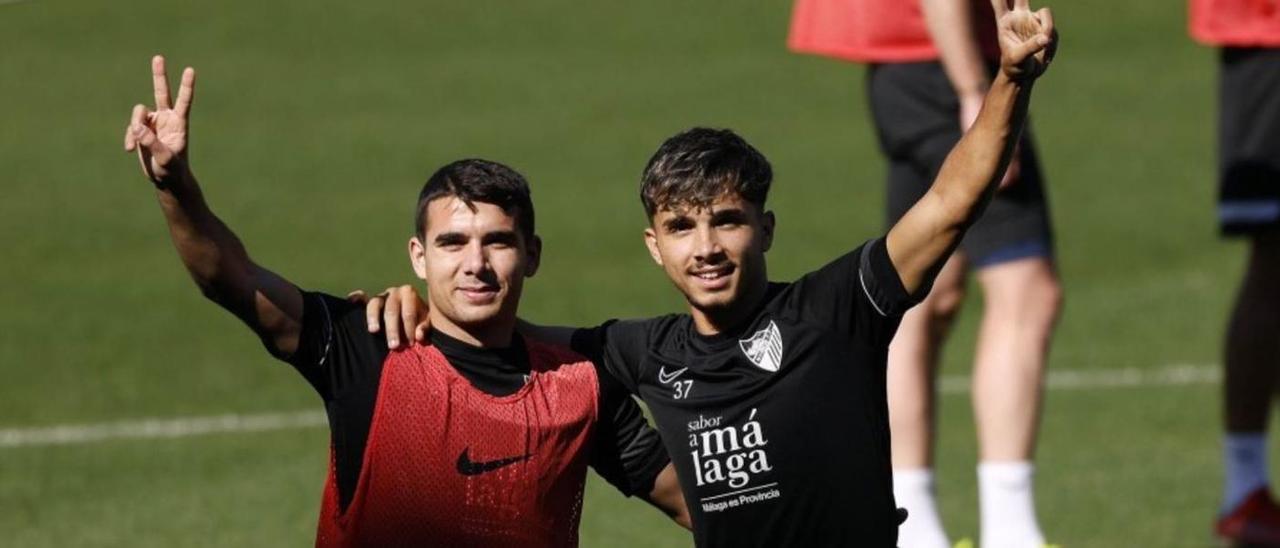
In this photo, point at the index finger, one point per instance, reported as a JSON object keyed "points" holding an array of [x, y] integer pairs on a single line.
{"points": [[159, 82], [1022, 5], [1001, 7], [391, 323], [186, 92], [408, 313], [373, 312]]}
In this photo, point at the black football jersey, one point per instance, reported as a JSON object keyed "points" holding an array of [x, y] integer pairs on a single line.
{"points": [[778, 428]]}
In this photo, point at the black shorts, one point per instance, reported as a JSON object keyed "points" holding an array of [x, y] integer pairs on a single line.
{"points": [[1249, 141], [917, 118]]}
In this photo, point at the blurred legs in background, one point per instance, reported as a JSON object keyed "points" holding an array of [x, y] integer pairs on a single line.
{"points": [[1010, 249], [1249, 205], [1021, 302], [1247, 510], [912, 376], [1020, 306]]}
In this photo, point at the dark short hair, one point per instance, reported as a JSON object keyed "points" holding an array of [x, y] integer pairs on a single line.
{"points": [[697, 166], [475, 180]]}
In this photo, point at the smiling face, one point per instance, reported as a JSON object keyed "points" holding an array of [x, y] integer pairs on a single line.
{"points": [[474, 258], [715, 256]]}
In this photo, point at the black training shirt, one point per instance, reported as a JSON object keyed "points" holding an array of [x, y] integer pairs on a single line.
{"points": [[779, 428]]}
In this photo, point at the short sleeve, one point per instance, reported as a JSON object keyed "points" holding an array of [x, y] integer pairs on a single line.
{"points": [[880, 283], [335, 351], [859, 293]]}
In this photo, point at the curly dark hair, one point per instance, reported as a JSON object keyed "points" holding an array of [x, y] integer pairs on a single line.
{"points": [[697, 166]]}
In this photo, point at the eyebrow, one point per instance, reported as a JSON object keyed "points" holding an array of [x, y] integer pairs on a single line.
{"points": [[735, 214], [451, 238], [677, 221], [495, 237], [500, 237]]}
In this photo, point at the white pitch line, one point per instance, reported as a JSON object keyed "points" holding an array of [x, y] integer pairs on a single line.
{"points": [[159, 428], [1130, 377], [153, 428]]}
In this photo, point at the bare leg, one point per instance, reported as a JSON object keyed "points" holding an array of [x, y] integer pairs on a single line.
{"points": [[1252, 355], [913, 364], [1022, 300], [1253, 341]]}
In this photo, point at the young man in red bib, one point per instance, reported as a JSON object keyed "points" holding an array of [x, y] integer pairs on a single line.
{"points": [[478, 437], [1248, 33]]}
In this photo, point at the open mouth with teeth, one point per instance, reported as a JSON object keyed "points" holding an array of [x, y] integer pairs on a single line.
{"points": [[713, 277]]}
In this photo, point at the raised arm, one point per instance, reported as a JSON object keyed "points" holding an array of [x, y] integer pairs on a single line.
{"points": [[921, 241], [214, 256]]}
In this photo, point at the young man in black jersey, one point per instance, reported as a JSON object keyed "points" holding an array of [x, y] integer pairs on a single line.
{"points": [[476, 438], [771, 396]]}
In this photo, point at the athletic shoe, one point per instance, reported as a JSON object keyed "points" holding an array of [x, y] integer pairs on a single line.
{"points": [[1254, 522]]}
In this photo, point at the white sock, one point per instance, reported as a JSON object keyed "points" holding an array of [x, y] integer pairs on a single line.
{"points": [[1244, 456], [914, 490], [1006, 499]]}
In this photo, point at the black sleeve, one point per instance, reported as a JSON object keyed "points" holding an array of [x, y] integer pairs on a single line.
{"points": [[626, 451], [619, 346], [858, 293], [335, 353], [343, 362]]}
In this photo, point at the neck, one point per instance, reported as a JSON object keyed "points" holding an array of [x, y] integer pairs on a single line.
{"points": [[713, 321], [493, 334]]}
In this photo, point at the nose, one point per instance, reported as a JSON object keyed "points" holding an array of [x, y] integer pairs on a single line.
{"points": [[475, 259], [707, 247]]}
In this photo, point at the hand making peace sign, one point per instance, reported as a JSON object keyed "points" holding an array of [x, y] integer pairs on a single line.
{"points": [[160, 136], [1027, 39]]}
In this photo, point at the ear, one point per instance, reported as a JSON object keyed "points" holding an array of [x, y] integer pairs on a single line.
{"points": [[767, 225], [651, 242], [533, 256], [418, 257]]}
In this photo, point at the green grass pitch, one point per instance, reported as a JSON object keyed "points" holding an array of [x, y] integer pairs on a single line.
{"points": [[315, 123]]}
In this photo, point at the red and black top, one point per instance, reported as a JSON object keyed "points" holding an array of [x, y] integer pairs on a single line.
{"points": [[449, 444]]}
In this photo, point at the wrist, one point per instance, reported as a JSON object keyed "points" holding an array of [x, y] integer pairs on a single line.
{"points": [[177, 176], [1004, 81]]}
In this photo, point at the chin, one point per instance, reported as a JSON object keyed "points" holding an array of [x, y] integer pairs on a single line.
{"points": [[474, 315], [713, 302]]}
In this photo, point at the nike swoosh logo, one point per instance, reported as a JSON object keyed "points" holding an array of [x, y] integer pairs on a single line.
{"points": [[468, 467], [666, 378]]}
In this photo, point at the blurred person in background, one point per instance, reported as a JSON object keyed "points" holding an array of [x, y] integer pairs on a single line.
{"points": [[1247, 32], [929, 65], [477, 437]]}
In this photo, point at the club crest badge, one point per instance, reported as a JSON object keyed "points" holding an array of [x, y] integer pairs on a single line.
{"points": [[764, 348]]}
